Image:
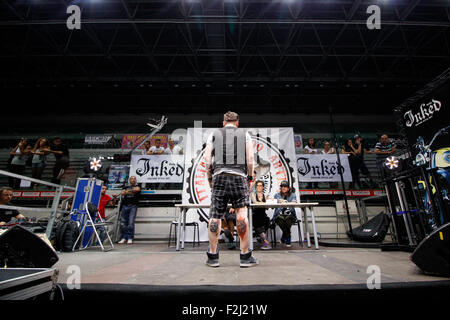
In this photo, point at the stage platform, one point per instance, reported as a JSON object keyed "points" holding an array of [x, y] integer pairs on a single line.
{"points": [[144, 270]]}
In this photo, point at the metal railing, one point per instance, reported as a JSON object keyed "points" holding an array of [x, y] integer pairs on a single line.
{"points": [[54, 208]]}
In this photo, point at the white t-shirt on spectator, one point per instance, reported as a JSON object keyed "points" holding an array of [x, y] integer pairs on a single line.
{"points": [[310, 150], [176, 150], [331, 150], [155, 149]]}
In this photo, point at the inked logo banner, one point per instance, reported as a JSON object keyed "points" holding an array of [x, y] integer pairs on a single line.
{"points": [[157, 168], [322, 168], [426, 117]]}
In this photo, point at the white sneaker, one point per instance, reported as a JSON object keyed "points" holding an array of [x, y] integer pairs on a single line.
{"points": [[130, 241], [122, 241]]}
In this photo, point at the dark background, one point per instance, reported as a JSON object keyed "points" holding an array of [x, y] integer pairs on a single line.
{"points": [[287, 60]]}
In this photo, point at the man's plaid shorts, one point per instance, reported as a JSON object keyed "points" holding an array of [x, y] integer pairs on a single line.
{"points": [[228, 188]]}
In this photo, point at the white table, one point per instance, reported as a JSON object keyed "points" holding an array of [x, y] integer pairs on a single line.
{"points": [[304, 207]]}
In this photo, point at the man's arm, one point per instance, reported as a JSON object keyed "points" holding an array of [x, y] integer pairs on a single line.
{"points": [[249, 157], [208, 161]]}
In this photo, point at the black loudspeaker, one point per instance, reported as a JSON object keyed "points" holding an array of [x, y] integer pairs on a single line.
{"points": [[432, 255], [20, 248]]}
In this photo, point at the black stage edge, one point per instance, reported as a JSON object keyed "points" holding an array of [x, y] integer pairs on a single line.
{"points": [[271, 294]]}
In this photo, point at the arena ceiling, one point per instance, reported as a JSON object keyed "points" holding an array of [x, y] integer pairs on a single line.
{"points": [[211, 55]]}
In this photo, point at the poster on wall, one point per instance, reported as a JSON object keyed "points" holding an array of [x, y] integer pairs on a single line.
{"points": [[298, 142], [97, 139], [275, 161], [129, 141], [117, 177], [157, 168], [322, 168]]}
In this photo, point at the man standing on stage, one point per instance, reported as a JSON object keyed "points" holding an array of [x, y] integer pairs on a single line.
{"points": [[229, 162]]}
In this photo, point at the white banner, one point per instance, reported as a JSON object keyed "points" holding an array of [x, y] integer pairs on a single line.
{"points": [[157, 168], [274, 154], [322, 168]]}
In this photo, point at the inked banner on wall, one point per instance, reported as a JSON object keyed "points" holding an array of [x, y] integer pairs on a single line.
{"points": [[322, 168], [157, 168]]}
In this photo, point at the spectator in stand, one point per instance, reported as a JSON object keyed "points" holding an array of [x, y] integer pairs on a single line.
{"points": [[62, 161], [173, 149], [261, 221], [19, 154], [361, 150], [6, 215], [383, 149], [349, 149], [130, 200], [327, 149], [311, 149], [285, 217], [146, 149], [157, 148], [40, 151]]}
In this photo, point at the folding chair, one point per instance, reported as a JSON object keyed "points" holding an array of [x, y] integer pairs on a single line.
{"points": [[91, 215], [298, 222]]}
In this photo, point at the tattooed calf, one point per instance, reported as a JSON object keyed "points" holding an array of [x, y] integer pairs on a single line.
{"points": [[214, 226], [241, 227]]}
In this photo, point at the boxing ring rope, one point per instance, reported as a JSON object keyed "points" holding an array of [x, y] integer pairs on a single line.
{"points": [[54, 208]]}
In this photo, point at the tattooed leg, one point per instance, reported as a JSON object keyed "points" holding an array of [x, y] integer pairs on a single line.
{"points": [[242, 228], [214, 233]]}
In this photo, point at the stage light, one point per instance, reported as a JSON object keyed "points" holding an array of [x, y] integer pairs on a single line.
{"points": [[95, 164], [391, 163]]}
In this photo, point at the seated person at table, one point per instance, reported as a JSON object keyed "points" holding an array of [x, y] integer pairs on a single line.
{"points": [[6, 215], [260, 219], [228, 223], [285, 217]]}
